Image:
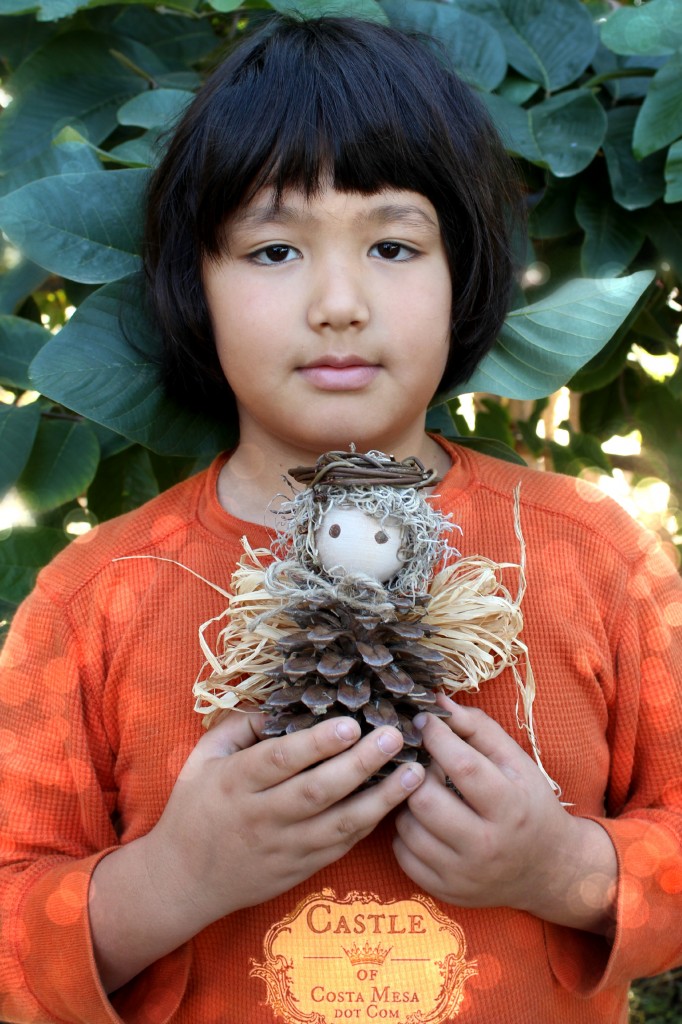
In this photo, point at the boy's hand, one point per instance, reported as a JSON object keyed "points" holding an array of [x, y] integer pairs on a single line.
{"points": [[245, 821], [508, 841], [248, 820]]}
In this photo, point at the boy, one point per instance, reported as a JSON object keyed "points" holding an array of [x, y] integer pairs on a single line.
{"points": [[326, 248]]}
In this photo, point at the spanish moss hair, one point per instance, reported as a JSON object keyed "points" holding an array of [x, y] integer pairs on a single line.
{"points": [[424, 543], [304, 103]]}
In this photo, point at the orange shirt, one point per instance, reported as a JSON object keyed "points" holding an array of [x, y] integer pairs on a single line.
{"points": [[97, 719]]}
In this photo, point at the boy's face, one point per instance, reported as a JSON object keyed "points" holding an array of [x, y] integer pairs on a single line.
{"points": [[331, 318]]}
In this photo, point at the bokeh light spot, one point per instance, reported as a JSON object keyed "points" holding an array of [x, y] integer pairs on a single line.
{"points": [[660, 638], [588, 492], [9, 742], [65, 905], [489, 971], [670, 880], [672, 613], [642, 859]]}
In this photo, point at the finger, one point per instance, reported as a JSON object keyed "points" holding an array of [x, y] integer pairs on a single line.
{"points": [[483, 733], [418, 870], [277, 760], [422, 856], [419, 837], [350, 820], [331, 781], [479, 780], [442, 813], [233, 732]]}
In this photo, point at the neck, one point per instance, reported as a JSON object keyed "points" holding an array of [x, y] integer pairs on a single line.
{"points": [[256, 474]]}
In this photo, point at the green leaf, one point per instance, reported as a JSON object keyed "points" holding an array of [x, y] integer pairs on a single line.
{"points": [[68, 136], [18, 427], [513, 124], [635, 183], [492, 421], [516, 89], [659, 121], [170, 470], [491, 446], [562, 133], [22, 555], [541, 346], [608, 410], [20, 341], [70, 157], [621, 83], [224, 6], [439, 420], [673, 174], [548, 41], [141, 152], [650, 29], [368, 10], [659, 415], [663, 224], [116, 382], [474, 47], [20, 37], [568, 129], [604, 367], [61, 465], [582, 452], [72, 79], [55, 10], [554, 215], [18, 283], [155, 109], [612, 240], [19, 6], [177, 41], [109, 442], [82, 226], [123, 482]]}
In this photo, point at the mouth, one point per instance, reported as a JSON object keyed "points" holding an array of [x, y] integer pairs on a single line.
{"points": [[339, 373], [337, 362]]}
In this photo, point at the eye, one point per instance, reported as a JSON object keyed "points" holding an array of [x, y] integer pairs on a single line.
{"points": [[273, 254], [381, 536], [395, 251], [334, 530]]}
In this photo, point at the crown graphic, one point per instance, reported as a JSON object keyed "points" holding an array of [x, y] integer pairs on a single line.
{"points": [[367, 954]]}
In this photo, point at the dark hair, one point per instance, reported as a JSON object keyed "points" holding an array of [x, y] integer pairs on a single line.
{"points": [[302, 102]]}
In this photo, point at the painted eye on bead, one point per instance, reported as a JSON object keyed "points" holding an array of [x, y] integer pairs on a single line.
{"points": [[381, 537], [334, 530]]}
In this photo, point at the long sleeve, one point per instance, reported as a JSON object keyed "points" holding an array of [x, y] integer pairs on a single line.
{"points": [[57, 798], [644, 799]]}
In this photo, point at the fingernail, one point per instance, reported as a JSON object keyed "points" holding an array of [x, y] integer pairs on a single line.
{"points": [[346, 730], [389, 743], [420, 720], [411, 777]]}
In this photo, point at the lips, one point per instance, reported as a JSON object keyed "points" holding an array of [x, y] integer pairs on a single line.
{"points": [[339, 373]]}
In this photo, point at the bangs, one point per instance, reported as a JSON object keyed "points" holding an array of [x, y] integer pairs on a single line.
{"points": [[318, 108]]}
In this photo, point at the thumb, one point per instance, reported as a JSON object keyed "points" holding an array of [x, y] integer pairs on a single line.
{"points": [[234, 731]]}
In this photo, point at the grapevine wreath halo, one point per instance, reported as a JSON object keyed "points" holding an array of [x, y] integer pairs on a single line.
{"points": [[372, 628]]}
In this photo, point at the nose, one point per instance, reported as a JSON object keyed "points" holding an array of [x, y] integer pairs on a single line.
{"points": [[338, 297]]}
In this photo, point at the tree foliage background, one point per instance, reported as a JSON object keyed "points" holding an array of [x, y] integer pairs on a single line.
{"points": [[586, 94]]}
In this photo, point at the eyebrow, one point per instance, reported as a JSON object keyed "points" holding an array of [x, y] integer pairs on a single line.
{"points": [[281, 213]]}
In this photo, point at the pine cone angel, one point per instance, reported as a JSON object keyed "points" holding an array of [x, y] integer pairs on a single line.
{"points": [[363, 608]]}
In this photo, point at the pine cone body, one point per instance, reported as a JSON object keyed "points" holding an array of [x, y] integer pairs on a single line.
{"points": [[340, 662]]}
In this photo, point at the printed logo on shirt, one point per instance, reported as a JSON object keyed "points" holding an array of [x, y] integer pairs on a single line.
{"points": [[362, 959]]}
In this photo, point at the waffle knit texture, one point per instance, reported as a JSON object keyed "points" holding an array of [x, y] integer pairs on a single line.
{"points": [[97, 719]]}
